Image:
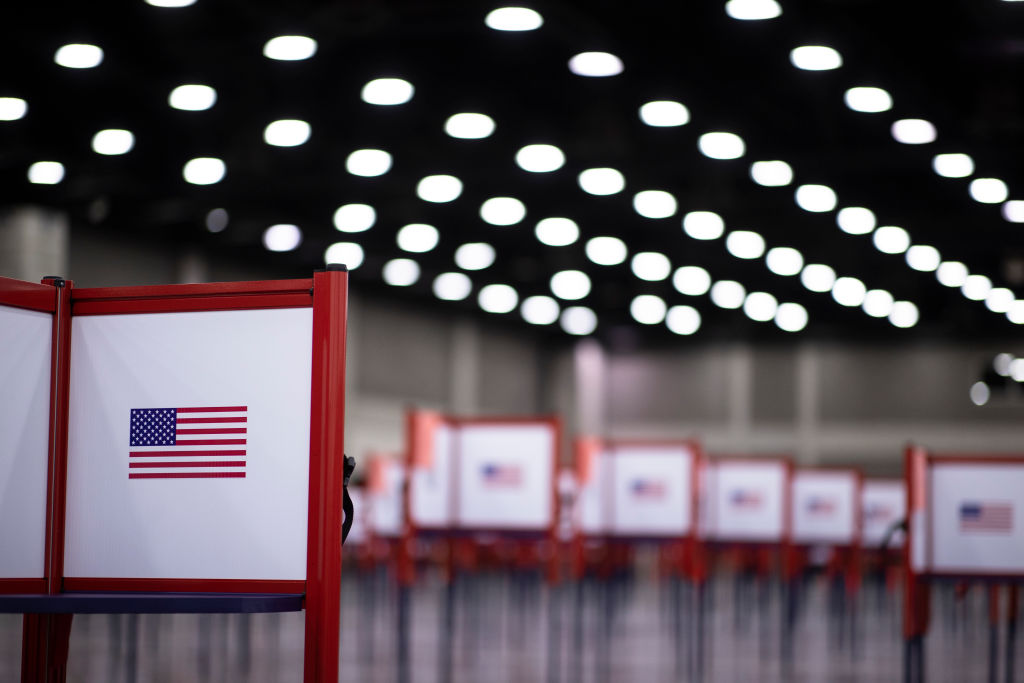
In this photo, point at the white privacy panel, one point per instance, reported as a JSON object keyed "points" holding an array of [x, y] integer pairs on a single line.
{"points": [[357, 533], [824, 507], [387, 509], [430, 503], [976, 518], [25, 346], [505, 476], [594, 505], [188, 448], [651, 490], [748, 500], [883, 504]]}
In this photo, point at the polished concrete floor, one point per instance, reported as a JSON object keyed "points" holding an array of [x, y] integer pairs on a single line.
{"points": [[510, 628]]}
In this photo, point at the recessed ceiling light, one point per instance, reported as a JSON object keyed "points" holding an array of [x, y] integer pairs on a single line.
{"points": [[1001, 364], [976, 287], [595, 64], [439, 188], [401, 272], [387, 91], [418, 237], [817, 277], [204, 170], [514, 19], [979, 393], [12, 108], [113, 141], [474, 256], [217, 220], [170, 3], [791, 317], [891, 239], [849, 291], [1016, 313], [498, 298], [452, 286], [1013, 211], [192, 97], [816, 198], [728, 294], [721, 145], [557, 231], [951, 273], [683, 320], [855, 220], [578, 320], [540, 158], [878, 303], [753, 10], [79, 56], [606, 251], [648, 309], [923, 257], [999, 300], [46, 172], [868, 100], [570, 284], [691, 280], [286, 133], [601, 181], [282, 237], [989, 190], [904, 314], [290, 48], [771, 173], [354, 217], [815, 58], [654, 204], [745, 244], [664, 113], [539, 310], [913, 131], [368, 163], [784, 261], [502, 211], [953, 165], [349, 254], [760, 306], [703, 225], [651, 266], [469, 126]]}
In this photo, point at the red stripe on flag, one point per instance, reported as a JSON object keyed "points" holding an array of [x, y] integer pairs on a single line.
{"points": [[230, 430], [211, 442], [197, 420], [216, 409], [186, 475], [181, 454], [208, 463]]}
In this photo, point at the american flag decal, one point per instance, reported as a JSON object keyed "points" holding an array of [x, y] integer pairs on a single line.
{"points": [[744, 499], [501, 475], [817, 505], [645, 488], [187, 443], [984, 517]]}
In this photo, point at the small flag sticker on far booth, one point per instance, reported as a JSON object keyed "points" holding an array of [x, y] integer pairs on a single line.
{"points": [[187, 443], [990, 517], [501, 475]]}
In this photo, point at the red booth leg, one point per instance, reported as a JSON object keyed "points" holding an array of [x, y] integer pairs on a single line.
{"points": [[44, 647]]}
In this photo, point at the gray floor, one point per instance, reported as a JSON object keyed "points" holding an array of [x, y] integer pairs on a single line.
{"points": [[507, 629]]}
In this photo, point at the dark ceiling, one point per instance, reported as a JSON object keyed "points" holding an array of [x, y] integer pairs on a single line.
{"points": [[956, 63]]}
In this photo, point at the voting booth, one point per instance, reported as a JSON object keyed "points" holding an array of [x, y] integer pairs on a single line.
{"points": [[965, 521], [172, 449], [745, 500], [482, 475], [883, 509]]}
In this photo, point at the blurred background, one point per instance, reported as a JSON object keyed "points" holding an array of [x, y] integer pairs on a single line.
{"points": [[778, 226]]}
